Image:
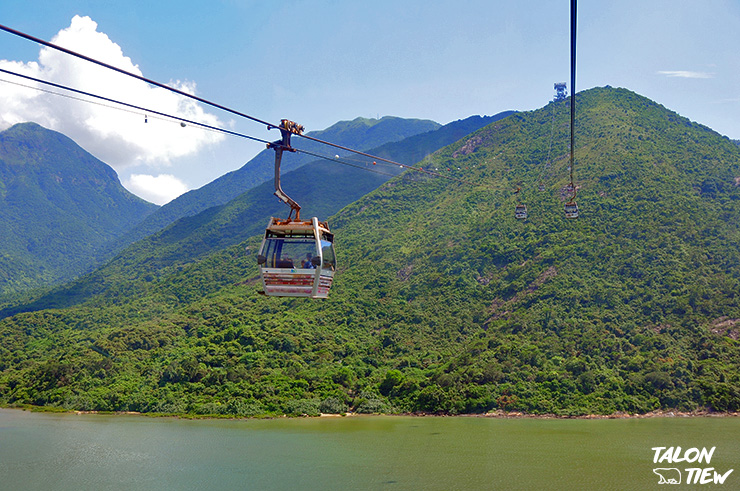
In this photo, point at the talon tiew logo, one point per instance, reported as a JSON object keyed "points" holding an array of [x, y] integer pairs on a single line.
{"points": [[693, 475], [668, 475]]}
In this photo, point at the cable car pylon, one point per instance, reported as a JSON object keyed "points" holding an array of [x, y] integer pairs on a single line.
{"points": [[297, 256]]}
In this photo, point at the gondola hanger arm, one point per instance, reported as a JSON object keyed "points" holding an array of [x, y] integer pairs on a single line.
{"points": [[287, 128]]}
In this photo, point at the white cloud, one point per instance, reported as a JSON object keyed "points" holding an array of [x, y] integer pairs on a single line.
{"points": [[119, 138], [159, 189], [685, 74]]}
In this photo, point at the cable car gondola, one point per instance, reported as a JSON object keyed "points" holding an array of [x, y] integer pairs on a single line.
{"points": [[571, 209], [520, 212], [297, 257]]}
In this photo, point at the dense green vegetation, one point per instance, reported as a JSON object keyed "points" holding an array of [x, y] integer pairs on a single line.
{"points": [[444, 303], [58, 206], [321, 187]]}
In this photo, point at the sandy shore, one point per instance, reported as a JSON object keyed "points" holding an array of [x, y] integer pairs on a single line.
{"points": [[619, 415], [493, 414]]}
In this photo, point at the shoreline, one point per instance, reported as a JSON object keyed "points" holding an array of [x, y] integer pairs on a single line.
{"points": [[618, 415], [497, 414]]}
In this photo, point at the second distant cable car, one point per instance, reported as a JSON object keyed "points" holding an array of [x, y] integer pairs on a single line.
{"points": [[520, 212], [571, 209]]}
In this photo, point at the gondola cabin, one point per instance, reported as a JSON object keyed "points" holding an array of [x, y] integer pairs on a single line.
{"points": [[571, 209], [297, 258], [520, 212]]}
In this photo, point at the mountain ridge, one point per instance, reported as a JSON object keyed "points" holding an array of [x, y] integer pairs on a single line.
{"points": [[60, 205], [360, 133]]}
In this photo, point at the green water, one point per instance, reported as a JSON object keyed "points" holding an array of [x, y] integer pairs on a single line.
{"points": [[67, 451]]}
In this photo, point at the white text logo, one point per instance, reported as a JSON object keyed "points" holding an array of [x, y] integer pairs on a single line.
{"points": [[694, 475]]}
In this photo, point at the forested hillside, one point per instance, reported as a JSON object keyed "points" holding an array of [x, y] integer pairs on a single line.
{"points": [[58, 205], [322, 187], [443, 302]]}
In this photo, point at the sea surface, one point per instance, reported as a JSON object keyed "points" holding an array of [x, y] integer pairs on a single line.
{"points": [[128, 452]]}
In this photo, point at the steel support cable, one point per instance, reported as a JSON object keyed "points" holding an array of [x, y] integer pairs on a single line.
{"points": [[147, 111], [167, 87], [523, 186], [147, 114], [390, 162], [393, 162], [124, 72], [212, 104], [344, 162], [143, 109], [165, 116], [67, 96], [573, 90], [544, 175]]}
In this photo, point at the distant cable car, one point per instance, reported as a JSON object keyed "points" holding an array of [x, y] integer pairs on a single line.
{"points": [[297, 258], [520, 212], [571, 209]]}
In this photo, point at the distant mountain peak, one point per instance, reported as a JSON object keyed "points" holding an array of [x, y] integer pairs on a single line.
{"points": [[360, 134], [58, 205], [30, 144]]}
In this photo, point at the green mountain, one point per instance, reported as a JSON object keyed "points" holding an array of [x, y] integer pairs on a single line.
{"points": [[322, 187], [58, 205], [65, 258], [360, 134], [443, 301]]}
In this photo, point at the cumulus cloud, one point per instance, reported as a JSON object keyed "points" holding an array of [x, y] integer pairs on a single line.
{"points": [[159, 189], [685, 74], [119, 138]]}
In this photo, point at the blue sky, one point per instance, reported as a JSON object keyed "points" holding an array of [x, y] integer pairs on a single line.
{"points": [[318, 62]]}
